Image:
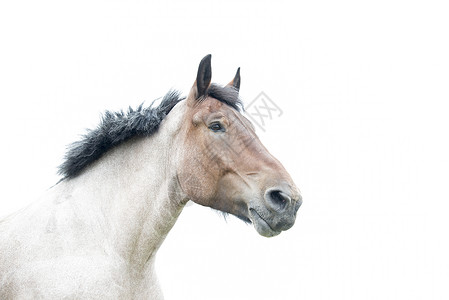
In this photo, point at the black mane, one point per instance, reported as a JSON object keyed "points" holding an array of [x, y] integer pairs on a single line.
{"points": [[117, 127]]}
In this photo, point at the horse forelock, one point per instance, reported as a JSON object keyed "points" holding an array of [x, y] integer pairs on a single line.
{"points": [[225, 94]]}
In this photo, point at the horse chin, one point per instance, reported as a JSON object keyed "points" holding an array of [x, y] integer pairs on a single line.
{"points": [[261, 226]]}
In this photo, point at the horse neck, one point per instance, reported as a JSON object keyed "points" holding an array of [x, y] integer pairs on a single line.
{"points": [[135, 193]]}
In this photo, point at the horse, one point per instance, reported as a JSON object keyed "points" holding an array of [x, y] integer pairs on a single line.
{"points": [[95, 234]]}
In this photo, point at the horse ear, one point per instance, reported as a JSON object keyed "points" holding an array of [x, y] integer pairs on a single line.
{"points": [[204, 76], [236, 81]]}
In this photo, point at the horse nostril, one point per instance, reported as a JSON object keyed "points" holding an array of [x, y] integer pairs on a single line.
{"points": [[279, 199]]}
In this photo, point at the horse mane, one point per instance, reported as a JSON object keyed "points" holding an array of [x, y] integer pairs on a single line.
{"points": [[117, 127]]}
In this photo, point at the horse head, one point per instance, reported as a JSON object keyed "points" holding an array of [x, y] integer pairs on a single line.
{"points": [[225, 166]]}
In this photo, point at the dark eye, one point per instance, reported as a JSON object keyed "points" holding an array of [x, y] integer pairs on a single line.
{"points": [[216, 127]]}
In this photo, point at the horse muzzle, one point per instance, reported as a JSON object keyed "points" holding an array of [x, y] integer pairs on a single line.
{"points": [[277, 211]]}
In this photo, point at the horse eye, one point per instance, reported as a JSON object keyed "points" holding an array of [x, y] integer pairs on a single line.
{"points": [[216, 126]]}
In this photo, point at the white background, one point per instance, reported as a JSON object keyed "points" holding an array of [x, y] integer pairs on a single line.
{"points": [[364, 90]]}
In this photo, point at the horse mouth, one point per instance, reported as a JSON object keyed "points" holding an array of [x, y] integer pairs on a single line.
{"points": [[261, 226]]}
